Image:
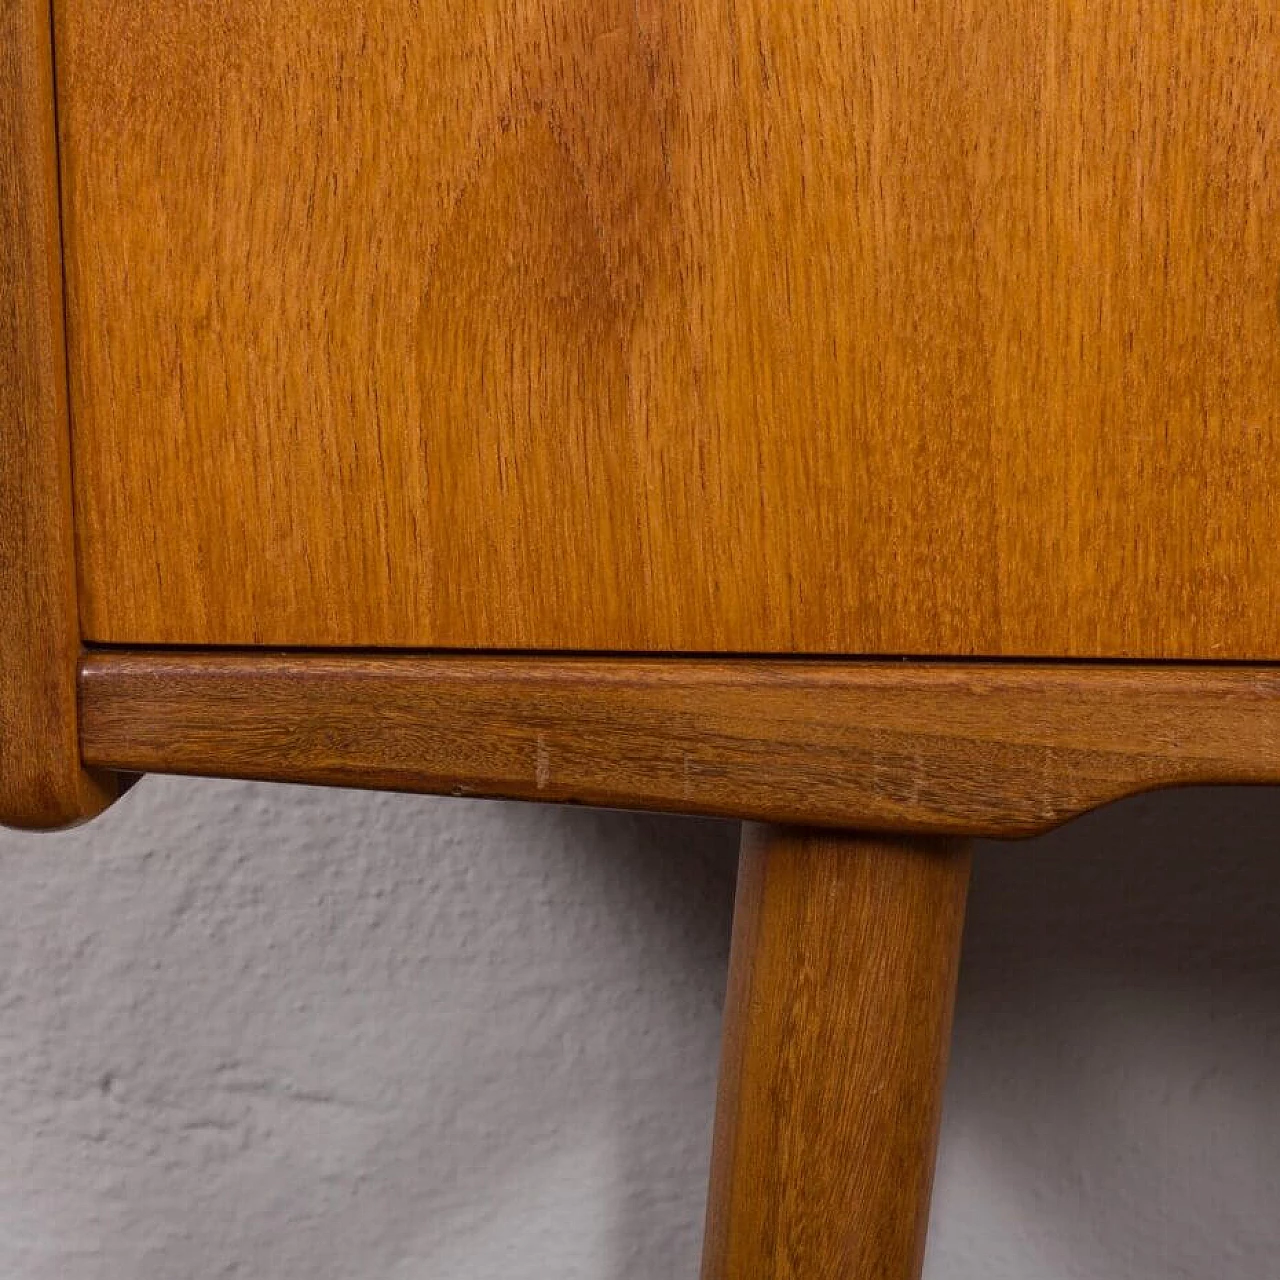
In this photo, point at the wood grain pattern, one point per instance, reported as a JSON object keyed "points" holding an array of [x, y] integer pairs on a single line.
{"points": [[971, 749], [837, 1030], [41, 782], [864, 327]]}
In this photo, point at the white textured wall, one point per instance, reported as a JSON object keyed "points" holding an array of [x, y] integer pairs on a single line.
{"points": [[257, 1032]]}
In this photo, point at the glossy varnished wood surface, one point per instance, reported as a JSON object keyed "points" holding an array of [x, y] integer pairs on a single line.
{"points": [[837, 1027], [974, 749], [41, 782], [872, 326]]}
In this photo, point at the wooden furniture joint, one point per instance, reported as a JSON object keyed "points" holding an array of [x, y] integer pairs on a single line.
{"points": [[846, 946]]}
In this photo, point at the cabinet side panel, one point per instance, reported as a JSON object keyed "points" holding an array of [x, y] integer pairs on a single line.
{"points": [[41, 782], [861, 327]]}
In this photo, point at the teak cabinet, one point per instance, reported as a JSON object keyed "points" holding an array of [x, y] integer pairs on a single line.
{"points": [[855, 417]]}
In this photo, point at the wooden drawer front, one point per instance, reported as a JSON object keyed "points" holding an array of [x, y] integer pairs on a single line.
{"points": [[862, 326]]}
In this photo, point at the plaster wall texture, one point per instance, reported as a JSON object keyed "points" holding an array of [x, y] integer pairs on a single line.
{"points": [[282, 1033]]}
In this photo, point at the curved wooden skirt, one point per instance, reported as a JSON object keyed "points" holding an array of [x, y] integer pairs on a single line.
{"points": [[962, 748]]}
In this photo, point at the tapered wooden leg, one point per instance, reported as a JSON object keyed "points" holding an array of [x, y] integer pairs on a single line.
{"points": [[837, 1025]]}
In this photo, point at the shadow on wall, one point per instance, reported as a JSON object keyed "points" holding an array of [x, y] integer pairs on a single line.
{"points": [[1113, 1107], [279, 1032]]}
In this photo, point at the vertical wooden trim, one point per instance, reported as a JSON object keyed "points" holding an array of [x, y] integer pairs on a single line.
{"points": [[42, 784], [837, 1027]]}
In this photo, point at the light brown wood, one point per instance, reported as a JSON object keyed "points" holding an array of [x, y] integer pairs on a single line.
{"points": [[41, 782], [872, 326], [837, 1029], [974, 749]]}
